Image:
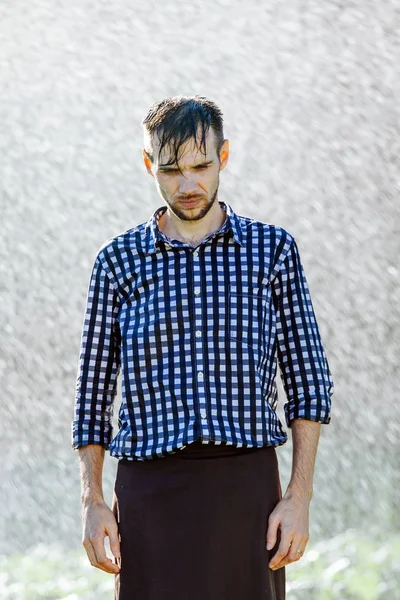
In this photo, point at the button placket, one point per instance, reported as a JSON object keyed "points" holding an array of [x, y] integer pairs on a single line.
{"points": [[198, 341]]}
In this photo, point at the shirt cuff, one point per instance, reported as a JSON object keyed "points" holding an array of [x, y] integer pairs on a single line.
{"points": [[89, 432], [311, 408]]}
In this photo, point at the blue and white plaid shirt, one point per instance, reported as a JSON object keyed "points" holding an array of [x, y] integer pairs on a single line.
{"points": [[197, 333]]}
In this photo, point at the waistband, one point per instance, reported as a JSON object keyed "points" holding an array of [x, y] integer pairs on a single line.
{"points": [[198, 449]]}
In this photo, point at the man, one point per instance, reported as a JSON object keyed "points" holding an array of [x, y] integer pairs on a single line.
{"points": [[196, 306]]}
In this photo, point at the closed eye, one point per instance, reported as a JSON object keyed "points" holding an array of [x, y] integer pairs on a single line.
{"points": [[197, 168]]}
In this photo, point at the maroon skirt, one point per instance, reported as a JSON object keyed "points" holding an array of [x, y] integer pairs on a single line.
{"points": [[196, 529]]}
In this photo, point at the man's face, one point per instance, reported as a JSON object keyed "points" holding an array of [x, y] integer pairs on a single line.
{"points": [[198, 181]]}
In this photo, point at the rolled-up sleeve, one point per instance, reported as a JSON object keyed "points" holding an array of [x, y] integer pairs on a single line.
{"points": [[304, 368], [99, 362]]}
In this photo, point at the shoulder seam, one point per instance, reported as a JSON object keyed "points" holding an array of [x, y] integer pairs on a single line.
{"points": [[106, 268], [281, 259]]}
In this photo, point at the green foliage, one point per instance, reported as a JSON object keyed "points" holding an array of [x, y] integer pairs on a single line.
{"points": [[351, 566], [52, 573]]}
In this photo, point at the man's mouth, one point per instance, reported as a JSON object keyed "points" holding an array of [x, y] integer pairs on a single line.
{"points": [[190, 203]]}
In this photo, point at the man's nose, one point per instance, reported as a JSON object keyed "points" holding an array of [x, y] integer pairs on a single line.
{"points": [[188, 184]]}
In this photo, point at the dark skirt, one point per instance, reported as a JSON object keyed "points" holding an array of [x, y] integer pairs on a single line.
{"points": [[196, 529]]}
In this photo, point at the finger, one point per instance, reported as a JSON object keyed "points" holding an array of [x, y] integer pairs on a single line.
{"points": [[90, 552], [285, 561], [299, 543], [293, 555], [114, 540], [283, 549], [92, 556], [273, 523], [102, 560]]}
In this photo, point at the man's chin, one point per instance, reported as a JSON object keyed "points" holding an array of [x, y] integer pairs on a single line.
{"points": [[194, 213]]}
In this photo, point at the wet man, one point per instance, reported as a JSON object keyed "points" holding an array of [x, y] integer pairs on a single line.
{"points": [[196, 307]]}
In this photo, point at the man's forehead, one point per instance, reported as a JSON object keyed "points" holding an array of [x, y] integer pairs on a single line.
{"points": [[187, 153], [189, 146], [168, 160]]}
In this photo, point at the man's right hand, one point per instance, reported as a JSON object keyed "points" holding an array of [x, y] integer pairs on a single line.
{"points": [[98, 522]]}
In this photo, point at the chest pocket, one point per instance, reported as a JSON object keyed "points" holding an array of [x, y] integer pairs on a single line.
{"points": [[248, 320]]}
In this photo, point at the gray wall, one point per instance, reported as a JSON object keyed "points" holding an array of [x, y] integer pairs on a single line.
{"points": [[310, 94]]}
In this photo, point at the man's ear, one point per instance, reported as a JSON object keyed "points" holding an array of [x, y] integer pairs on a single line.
{"points": [[224, 155], [147, 162]]}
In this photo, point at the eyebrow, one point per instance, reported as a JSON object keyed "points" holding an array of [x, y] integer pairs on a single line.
{"points": [[172, 168]]}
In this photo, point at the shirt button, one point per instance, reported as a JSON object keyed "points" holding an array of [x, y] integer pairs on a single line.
{"points": [[196, 253], [198, 333], [203, 415], [200, 375], [197, 291]]}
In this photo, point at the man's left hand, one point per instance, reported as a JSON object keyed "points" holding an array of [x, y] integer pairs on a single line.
{"points": [[291, 515]]}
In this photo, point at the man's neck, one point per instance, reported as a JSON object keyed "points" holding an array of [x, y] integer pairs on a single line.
{"points": [[167, 227]]}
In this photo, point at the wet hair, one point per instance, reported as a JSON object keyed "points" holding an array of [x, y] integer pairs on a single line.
{"points": [[178, 119]]}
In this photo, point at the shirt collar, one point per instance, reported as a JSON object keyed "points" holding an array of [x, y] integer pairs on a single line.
{"points": [[153, 234]]}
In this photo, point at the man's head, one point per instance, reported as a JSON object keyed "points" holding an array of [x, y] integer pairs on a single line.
{"points": [[184, 151]]}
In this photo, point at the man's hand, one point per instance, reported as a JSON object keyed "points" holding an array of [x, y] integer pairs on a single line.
{"points": [[98, 522], [291, 515]]}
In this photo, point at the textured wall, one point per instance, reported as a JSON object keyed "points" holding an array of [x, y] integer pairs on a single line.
{"points": [[310, 94]]}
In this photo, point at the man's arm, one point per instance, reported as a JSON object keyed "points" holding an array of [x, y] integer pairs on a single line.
{"points": [[96, 387], [97, 518], [91, 460], [99, 361], [308, 385], [291, 514], [305, 439], [304, 368]]}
